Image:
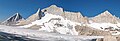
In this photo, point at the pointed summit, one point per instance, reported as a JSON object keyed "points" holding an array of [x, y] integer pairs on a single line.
{"points": [[35, 16], [106, 13], [53, 9], [13, 19], [53, 6], [38, 11], [105, 17], [32, 18], [17, 13]]}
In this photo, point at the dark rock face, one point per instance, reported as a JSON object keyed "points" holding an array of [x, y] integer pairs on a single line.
{"points": [[99, 39], [13, 19]]}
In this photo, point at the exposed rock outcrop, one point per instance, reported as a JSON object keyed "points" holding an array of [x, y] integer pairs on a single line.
{"points": [[75, 16], [32, 18], [85, 30], [16, 18], [53, 9], [35, 16], [99, 39], [105, 17]]}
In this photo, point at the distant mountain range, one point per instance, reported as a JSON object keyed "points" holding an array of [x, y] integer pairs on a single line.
{"points": [[54, 19], [105, 17]]}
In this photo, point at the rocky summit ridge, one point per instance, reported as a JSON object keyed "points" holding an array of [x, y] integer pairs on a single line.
{"points": [[105, 17], [53, 9], [61, 21]]}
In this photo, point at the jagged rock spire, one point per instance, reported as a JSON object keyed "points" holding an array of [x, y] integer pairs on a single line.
{"points": [[32, 18], [38, 11], [35, 16], [13, 19]]}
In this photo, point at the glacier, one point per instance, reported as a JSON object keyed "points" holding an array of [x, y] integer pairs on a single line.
{"points": [[38, 35]]}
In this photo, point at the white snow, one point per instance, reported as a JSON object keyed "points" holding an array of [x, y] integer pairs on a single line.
{"points": [[16, 16], [55, 23], [43, 35], [105, 25]]}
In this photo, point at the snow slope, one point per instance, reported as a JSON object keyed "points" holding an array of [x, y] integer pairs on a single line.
{"points": [[103, 25], [55, 23], [33, 34], [106, 27]]}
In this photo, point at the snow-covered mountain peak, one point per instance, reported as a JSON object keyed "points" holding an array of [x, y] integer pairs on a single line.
{"points": [[106, 13], [13, 19], [105, 17], [17, 13]]}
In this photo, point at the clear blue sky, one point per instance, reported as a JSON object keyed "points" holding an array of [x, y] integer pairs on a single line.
{"points": [[88, 8]]}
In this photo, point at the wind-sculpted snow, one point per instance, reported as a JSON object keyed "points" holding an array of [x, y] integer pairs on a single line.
{"points": [[38, 35]]}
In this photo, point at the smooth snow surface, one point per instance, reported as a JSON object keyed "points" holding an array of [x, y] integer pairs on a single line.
{"points": [[38, 35], [55, 23]]}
